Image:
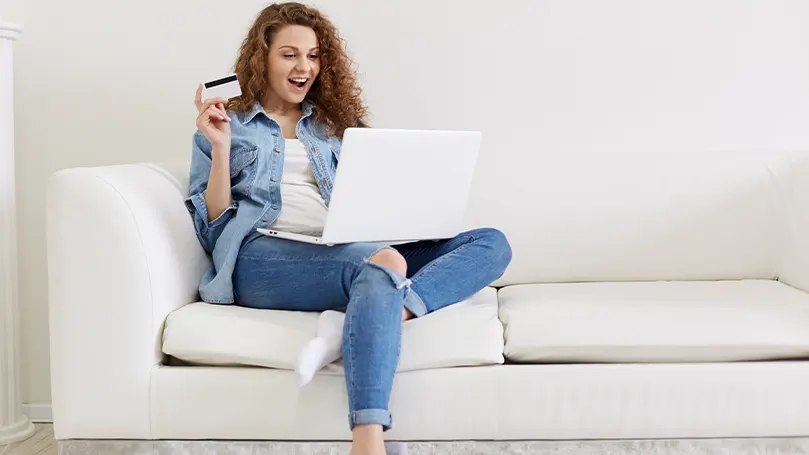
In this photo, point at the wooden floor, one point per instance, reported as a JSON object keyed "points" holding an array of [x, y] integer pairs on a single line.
{"points": [[41, 443]]}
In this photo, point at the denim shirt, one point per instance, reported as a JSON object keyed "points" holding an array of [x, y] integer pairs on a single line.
{"points": [[256, 166]]}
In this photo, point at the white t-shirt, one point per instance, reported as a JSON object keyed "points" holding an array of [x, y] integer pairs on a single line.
{"points": [[303, 210]]}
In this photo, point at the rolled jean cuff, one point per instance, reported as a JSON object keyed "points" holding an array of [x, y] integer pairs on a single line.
{"points": [[413, 302], [371, 417]]}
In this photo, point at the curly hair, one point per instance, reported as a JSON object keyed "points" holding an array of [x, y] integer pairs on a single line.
{"points": [[335, 93]]}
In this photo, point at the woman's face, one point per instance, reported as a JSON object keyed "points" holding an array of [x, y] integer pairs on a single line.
{"points": [[293, 62]]}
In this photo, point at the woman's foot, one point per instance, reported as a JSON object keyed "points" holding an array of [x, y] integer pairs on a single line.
{"points": [[324, 349], [327, 346]]}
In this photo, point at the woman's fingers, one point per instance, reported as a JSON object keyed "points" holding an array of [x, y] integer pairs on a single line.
{"points": [[208, 115], [213, 112], [210, 109], [198, 98], [219, 113], [222, 113], [212, 102]]}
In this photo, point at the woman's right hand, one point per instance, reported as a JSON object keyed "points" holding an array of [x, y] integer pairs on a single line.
{"points": [[213, 121]]}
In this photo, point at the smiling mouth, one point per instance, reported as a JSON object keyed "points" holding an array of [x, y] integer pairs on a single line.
{"points": [[298, 82]]}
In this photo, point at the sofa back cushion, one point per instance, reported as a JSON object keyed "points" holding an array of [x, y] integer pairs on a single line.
{"points": [[655, 216]]}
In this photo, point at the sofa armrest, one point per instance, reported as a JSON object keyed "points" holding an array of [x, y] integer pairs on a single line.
{"points": [[122, 254]]}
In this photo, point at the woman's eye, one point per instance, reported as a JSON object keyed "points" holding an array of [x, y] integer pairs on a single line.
{"points": [[289, 55], [314, 57]]}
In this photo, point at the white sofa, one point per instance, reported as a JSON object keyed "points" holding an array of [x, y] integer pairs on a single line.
{"points": [[650, 296]]}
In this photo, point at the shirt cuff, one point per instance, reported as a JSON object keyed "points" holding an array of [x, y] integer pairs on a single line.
{"points": [[197, 207]]}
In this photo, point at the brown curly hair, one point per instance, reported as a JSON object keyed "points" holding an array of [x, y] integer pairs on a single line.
{"points": [[335, 93]]}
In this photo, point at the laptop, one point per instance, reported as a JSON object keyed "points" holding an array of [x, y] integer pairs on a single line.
{"points": [[397, 186]]}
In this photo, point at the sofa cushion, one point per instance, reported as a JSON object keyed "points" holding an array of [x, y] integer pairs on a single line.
{"points": [[661, 321], [464, 334], [591, 216]]}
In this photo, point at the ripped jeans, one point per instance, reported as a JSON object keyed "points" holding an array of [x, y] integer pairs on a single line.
{"points": [[273, 273]]}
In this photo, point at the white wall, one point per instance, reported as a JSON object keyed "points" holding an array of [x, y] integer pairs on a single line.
{"points": [[112, 82]]}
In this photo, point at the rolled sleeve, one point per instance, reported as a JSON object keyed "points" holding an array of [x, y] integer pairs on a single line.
{"points": [[208, 231]]}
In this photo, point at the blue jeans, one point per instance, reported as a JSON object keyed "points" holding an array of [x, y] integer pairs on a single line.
{"points": [[273, 273]]}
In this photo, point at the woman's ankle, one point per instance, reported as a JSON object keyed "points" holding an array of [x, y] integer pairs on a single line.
{"points": [[368, 432], [368, 440]]}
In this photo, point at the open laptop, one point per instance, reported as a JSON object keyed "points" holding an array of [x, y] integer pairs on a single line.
{"points": [[397, 186]]}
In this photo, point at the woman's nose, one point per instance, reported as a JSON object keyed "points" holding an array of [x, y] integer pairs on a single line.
{"points": [[303, 65]]}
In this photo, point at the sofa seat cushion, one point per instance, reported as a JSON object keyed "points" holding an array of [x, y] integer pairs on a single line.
{"points": [[465, 334], [662, 321]]}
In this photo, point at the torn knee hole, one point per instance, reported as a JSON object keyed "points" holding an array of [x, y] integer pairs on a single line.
{"points": [[390, 259], [398, 279]]}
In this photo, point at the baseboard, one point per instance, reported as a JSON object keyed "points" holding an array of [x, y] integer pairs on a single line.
{"points": [[38, 412]]}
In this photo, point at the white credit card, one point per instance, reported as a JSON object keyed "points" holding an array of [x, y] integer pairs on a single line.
{"points": [[227, 87]]}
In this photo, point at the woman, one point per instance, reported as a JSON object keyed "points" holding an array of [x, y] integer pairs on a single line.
{"points": [[268, 158]]}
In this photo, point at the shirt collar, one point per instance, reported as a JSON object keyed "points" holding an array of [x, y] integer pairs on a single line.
{"points": [[306, 106]]}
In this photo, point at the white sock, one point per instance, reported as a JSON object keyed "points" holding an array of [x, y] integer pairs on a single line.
{"points": [[324, 349]]}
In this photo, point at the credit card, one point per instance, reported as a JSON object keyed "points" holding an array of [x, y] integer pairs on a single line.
{"points": [[226, 87]]}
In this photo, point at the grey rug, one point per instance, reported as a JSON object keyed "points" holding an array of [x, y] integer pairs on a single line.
{"points": [[774, 446]]}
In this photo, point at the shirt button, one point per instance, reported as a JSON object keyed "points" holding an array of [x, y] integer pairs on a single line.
{"points": [[323, 181], [274, 179], [277, 150], [274, 207], [264, 220]]}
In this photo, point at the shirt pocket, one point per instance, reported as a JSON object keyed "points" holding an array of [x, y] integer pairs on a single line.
{"points": [[243, 170]]}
